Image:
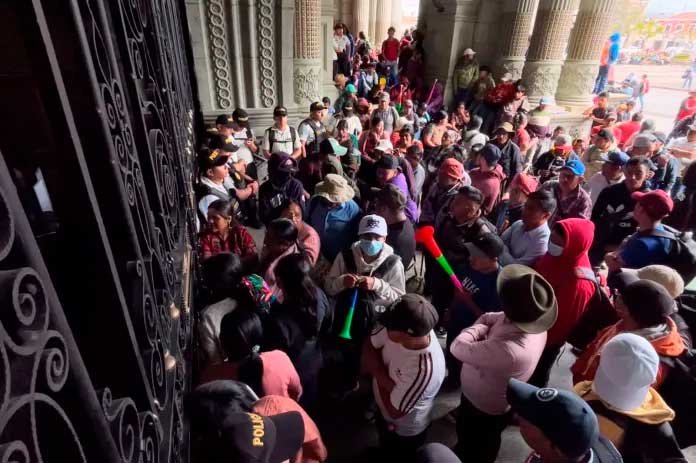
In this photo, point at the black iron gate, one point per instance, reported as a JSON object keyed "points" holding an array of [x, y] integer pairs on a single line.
{"points": [[96, 220]]}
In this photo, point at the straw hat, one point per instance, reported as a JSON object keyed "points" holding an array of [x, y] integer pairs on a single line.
{"points": [[334, 188]]}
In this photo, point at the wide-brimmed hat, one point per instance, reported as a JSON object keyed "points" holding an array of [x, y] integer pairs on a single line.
{"points": [[469, 52], [334, 188], [505, 126], [527, 298]]}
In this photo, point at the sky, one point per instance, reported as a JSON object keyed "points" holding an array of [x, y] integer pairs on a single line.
{"points": [[669, 7]]}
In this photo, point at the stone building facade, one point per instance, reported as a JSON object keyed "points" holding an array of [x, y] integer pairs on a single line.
{"points": [[259, 53]]}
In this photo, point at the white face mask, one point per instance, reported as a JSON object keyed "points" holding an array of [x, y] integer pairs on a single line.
{"points": [[554, 249]]}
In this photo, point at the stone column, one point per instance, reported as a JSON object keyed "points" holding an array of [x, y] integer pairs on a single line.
{"points": [[382, 21], [372, 22], [517, 20], [347, 15], [586, 42], [307, 52], [549, 40], [396, 15], [328, 13], [361, 17]]}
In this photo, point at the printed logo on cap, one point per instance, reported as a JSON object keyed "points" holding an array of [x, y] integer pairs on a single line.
{"points": [[372, 223], [546, 394]]}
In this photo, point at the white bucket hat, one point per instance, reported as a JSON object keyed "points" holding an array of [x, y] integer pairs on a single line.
{"points": [[627, 367]]}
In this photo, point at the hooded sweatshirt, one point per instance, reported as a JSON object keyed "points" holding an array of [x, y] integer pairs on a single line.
{"points": [[489, 183], [664, 338], [389, 288], [411, 207], [642, 435], [572, 291]]}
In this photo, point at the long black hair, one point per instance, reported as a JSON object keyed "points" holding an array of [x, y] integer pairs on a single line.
{"points": [[299, 291], [222, 274], [241, 337]]}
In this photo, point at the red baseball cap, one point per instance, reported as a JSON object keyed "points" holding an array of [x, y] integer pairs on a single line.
{"points": [[452, 168], [657, 203]]}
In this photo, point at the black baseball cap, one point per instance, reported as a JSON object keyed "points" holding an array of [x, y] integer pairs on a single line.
{"points": [[348, 104], [316, 106], [223, 143], [387, 161], [411, 314], [280, 111], [487, 245], [240, 115], [207, 159], [606, 134], [562, 416], [223, 119], [491, 154], [253, 438]]}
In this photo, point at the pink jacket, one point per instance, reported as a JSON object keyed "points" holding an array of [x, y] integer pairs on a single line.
{"points": [[492, 351]]}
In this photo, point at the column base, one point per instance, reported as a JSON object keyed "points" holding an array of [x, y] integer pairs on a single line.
{"points": [[306, 78], [541, 78], [576, 83], [512, 64]]}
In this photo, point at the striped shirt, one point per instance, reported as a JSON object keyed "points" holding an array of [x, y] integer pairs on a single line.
{"points": [[417, 374]]}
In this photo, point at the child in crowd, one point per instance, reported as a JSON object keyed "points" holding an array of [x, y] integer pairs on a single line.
{"points": [[407, 367]]}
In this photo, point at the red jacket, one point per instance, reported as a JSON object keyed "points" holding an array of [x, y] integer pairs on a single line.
{"points": [[572, 292], [390, 49]]}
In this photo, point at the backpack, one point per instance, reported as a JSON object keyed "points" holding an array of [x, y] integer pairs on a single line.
{"points": [[313, 146], [682, 255], [679, 387], [598, 315], [365, 315], [272, 140]]}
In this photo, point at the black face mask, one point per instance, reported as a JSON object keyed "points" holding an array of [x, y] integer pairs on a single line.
{"points": [[280, 178]]}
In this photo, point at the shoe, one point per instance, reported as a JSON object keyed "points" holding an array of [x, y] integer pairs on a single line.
{"points": [[441, 332]]}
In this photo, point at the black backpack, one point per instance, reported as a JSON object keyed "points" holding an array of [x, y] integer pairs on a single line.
{"points": [[312, 148], [365, 315], [679, 387], [682, 255], [272, 139], [598, 315]]}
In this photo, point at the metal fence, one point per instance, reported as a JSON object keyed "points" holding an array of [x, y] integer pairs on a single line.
{"points": [[96, 225]]}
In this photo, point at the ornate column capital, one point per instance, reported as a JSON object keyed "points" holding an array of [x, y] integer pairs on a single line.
{"points": [[545, 57], [517, 19], [586, 41]]}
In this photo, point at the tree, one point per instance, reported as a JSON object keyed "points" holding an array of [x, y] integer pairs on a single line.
{"points": [[648, 29]]}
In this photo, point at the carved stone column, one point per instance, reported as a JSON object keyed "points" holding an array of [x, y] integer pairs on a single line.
{"points": [[517, 19], [347, 15], [586, 42], [382, 21], [372, 22], [328, 13], [396, 15], [361, 17], [307, 52], [549, 40]]}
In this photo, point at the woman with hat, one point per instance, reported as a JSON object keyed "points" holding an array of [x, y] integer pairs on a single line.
{"points": [[500, 346], [334, 215]]}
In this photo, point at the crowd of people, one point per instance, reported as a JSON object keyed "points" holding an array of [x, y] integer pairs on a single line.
{"points": [[558, 242]]}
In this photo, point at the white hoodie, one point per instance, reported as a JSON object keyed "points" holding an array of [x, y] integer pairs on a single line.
{"points": [[388, 288]]}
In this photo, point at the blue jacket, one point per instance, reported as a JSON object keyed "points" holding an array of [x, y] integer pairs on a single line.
{"points": [[337, 227]]}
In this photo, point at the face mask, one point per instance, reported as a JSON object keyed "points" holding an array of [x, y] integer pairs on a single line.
{"points": [[280, 178], [554, 249], [371, 248]]}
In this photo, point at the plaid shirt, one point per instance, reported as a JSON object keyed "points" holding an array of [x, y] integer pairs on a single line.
{"points": [[239, 242], [576, 205]]}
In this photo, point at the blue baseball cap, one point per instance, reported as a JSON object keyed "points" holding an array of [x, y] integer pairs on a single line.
{"points": [[575, 166], [491, 154], [618, 158], [564, 417]]}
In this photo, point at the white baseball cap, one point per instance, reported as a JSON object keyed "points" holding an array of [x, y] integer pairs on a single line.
{"points": [[662, 275], [546, 100], [469, 51], [384, 146], [507, 77], [628, 365], [373, 223]]}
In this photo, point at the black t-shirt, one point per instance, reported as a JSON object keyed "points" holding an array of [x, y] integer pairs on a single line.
{"points": [[402, 237], [612, 214]]}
